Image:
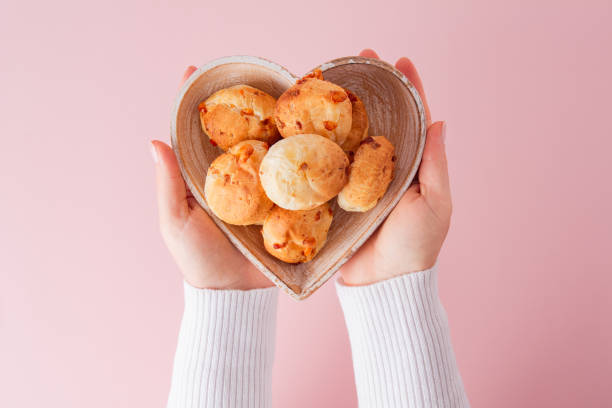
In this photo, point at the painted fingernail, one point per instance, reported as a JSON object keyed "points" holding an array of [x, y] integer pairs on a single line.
{"points": [[443, 132], [154, 153]]}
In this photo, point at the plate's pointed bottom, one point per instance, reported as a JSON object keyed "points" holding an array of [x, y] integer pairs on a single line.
{"points": [[394, 109]]}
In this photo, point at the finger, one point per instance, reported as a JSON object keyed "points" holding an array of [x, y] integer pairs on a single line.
{"points": [[368, 53], [415, 187], [413, 192], [192, 203], [190, 70], [171, 190], [406, 67], [433, 172]]}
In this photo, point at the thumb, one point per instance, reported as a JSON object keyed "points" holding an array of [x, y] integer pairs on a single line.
{"points": [[433, 172], [171, 190], [369, 53]]}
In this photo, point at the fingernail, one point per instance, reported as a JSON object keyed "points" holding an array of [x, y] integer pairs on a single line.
{"points": [[443, 132], [154, 153]]}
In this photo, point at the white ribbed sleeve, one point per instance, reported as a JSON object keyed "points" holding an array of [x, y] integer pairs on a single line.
{"points": [[225, 349], [401, 345]]}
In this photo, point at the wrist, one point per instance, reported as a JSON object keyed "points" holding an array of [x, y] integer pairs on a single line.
{"points": [[246, 277], [379, 273]]}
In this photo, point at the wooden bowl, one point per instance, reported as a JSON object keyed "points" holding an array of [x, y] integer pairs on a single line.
{"points": [[394, 108]]}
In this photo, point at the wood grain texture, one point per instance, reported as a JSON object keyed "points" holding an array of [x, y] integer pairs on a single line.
{"points": [[395, 111]]}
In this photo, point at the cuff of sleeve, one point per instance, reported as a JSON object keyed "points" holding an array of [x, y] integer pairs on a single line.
{"points": [[400, 341], [231, 318], [411, 299], [225, 349]]}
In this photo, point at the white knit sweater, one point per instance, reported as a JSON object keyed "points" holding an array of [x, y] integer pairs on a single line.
{"points": [[400, 340]]}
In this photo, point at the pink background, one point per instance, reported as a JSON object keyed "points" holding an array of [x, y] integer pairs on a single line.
{"points": [[90, 300]]}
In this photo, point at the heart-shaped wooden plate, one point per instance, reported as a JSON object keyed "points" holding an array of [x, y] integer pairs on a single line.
{"points": [[394, 108]]}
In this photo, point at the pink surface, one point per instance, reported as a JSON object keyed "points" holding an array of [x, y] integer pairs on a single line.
{"points": [[90, 300]]}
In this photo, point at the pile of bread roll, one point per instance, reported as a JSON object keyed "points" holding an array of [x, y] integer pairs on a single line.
{"points": [[285, 184]]}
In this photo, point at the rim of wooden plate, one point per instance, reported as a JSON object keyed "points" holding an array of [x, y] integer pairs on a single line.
{"points": [[288, 75]]}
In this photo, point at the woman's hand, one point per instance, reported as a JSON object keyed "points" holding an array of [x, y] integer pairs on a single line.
{"points": [[202, 252], [411, 237]]}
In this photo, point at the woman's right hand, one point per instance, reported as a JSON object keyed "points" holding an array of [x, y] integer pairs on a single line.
{"points": [[204, 255]]}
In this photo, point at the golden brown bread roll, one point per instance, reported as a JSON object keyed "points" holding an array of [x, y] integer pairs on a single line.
{"points": [[370, 175], [316, 106], [232, 190], [296, 236], [303, 171], [359, 125], [238, 113]]}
